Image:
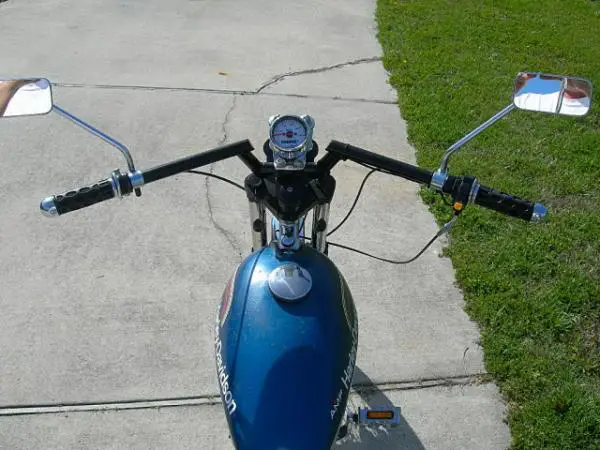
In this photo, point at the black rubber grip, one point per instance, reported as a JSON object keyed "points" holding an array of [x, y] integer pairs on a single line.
{"points": [[393, 166], [86, 196], [504, 203]]}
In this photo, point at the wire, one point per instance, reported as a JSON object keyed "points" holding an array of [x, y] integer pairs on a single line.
{"points": [[442, 195], [338, 226], [302, 226], [345, 247], [377, 169], [362, 185], [233, 183], [390, 261], [444, 199]]}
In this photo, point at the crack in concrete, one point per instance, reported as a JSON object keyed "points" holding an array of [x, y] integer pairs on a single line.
{"points": [[423, 383], [139, 87], [229, 237], [109, 406], [222, 92], [334, 98], [215, 399], [276, 79]]}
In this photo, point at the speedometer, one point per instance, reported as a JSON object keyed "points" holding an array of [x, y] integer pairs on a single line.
{"points": [[288, 133], [290, 139]]}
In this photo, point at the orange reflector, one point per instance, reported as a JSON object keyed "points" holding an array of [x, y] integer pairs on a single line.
{"points": [[380, 415], [458, 206]]}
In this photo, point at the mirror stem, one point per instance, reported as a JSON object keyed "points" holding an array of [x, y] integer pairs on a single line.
{"points": [[458, 144], [89, 128]]}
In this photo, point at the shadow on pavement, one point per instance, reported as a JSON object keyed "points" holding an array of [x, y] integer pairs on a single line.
{"points": [[402, 437]]}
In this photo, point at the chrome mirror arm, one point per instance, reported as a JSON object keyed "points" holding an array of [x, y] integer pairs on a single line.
{"points": [[96, 132], [441, 174]]}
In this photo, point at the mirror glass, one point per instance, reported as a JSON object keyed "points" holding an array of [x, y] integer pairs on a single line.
{"points": [[554, 94], [25, 97]]}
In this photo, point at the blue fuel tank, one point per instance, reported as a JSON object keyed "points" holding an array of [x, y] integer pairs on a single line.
{"points": [[285, 367]]}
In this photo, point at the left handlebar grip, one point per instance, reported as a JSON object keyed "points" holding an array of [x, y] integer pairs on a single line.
{"points": [[57, 205]]}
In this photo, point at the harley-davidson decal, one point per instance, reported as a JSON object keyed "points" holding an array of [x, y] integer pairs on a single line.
{"points": [[349, 309], [346, 377], [226, 298], [223, 375]]}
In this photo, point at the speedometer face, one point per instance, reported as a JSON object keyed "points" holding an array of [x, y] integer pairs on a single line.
{"points": [[288, 133]]}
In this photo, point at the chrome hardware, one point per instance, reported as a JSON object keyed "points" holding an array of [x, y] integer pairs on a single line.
{"points": [[319, 230], [555, 94], [291, 161], [287, 235], [458, 144], [290, 282], [447, 226], [25, 97], [258, 225], [96, 132], [310, 126], [539, 213], [438, 180], [274, 229], [114, 180], [48, 208], [136, 179], [89, 128], [474, 191]]}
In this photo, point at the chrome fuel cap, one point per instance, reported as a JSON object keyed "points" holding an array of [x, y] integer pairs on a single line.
{"points": [[290, 282]]}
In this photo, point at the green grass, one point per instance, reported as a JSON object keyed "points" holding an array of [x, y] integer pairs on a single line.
{"points": [[533, 289]]}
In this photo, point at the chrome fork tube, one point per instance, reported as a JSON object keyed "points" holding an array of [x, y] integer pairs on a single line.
{"points": [[258, 225], [319, 229]]}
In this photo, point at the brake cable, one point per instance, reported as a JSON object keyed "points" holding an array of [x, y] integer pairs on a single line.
{"points": [[445, 229], [218, 177], [362, 185]]}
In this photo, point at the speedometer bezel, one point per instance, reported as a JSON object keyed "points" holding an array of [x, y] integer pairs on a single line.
{"points": [[298, 148]]}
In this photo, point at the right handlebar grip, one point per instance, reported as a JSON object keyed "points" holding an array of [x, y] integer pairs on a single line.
{"points": [[74, 200], [509, 205]]}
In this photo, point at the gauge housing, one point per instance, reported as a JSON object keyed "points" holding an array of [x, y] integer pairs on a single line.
{"points": [[290, 158]]}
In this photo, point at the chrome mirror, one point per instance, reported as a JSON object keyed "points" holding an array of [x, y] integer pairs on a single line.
{"points": [[33, 96], [25, 97], [554, 94], [533, 91]]}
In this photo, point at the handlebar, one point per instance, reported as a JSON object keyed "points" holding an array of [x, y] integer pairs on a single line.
{"points": [[462, 189], [119, 184], [197, 160], [393, 166], [465, 189]]}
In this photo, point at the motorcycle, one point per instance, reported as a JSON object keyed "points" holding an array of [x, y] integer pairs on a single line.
{"points": [[289, 389]]}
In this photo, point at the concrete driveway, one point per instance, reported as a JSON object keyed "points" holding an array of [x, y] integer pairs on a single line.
{"points": [[106, 325]]}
